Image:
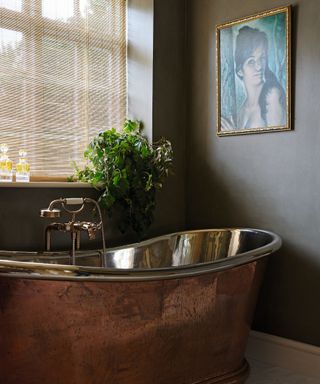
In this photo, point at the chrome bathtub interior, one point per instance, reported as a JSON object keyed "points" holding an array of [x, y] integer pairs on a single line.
{"points": [[171, 256], [73, 227]]}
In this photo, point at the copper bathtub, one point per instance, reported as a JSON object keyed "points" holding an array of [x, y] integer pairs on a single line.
{"points": [[175, 309]]}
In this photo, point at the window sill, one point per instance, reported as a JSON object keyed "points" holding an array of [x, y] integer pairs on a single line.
{"points": [[45, 184]]}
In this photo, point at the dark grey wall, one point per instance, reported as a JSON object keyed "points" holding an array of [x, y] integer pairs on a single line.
{"points": [[20, 222], [169, 107], [268, 181], [22, 228], [156, 74]]}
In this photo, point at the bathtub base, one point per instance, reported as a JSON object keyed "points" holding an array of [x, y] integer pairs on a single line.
{"points": [[160, 332], [236, 377]]}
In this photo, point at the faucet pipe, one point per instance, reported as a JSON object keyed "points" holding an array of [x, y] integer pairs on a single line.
{"points": [[52, 212], [65, 227], [88, 200]]}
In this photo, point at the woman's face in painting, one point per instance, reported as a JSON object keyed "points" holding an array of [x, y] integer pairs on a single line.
{"points": [[253, 68]]}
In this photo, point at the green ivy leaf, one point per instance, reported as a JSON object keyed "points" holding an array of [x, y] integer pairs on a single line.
{"points": [[128, 170]]}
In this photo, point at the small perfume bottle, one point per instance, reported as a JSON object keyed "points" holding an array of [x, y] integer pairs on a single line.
{"points": [[22, 168], [5, 164]]}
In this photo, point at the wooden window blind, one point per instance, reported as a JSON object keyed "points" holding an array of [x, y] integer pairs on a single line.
{"points": [[62, 78]]}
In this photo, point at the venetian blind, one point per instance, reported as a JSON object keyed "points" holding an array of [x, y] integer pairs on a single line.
{"points": [[62, 78]]}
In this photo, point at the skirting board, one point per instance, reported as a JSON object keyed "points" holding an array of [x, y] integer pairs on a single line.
{"points": [[300, 358]]}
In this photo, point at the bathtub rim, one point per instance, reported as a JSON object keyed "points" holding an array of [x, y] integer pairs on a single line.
{"points": [[46, 271]]}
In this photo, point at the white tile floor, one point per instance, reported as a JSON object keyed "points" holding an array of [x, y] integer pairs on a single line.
{"points": [[262, 373]]}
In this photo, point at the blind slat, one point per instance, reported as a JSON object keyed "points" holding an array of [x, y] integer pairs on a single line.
{"points": [[62, 78]]}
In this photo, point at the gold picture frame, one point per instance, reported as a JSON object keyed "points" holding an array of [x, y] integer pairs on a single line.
{"points": [[253, 73]]}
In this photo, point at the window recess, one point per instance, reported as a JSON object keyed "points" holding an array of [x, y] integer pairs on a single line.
{"points": [[62, 78]]}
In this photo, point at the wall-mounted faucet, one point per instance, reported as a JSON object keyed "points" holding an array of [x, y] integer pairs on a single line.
{"points": [[73, 227]]}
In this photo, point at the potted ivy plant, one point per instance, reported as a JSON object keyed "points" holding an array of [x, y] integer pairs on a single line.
{"points": [[128, 171]]}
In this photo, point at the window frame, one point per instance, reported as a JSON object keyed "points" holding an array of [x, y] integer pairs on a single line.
{"points": [[21, 25]]}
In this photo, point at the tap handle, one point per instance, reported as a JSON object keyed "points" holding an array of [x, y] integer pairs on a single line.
{"points": [[74, 201]]}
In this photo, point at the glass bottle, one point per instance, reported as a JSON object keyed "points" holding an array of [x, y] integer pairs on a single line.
{"points": [[22, 168], [5, 164]]}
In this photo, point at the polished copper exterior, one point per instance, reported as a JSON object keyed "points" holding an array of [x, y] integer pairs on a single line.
{"points": [[182, 330]]}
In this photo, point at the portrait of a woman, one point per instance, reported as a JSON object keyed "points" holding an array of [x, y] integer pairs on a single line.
{"points": [[252, 93]]}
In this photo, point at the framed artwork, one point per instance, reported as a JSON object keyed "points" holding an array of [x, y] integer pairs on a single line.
{"points": [[254, 74]]}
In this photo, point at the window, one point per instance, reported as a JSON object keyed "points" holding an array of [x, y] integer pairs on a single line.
{"points": [[62, 78]]}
